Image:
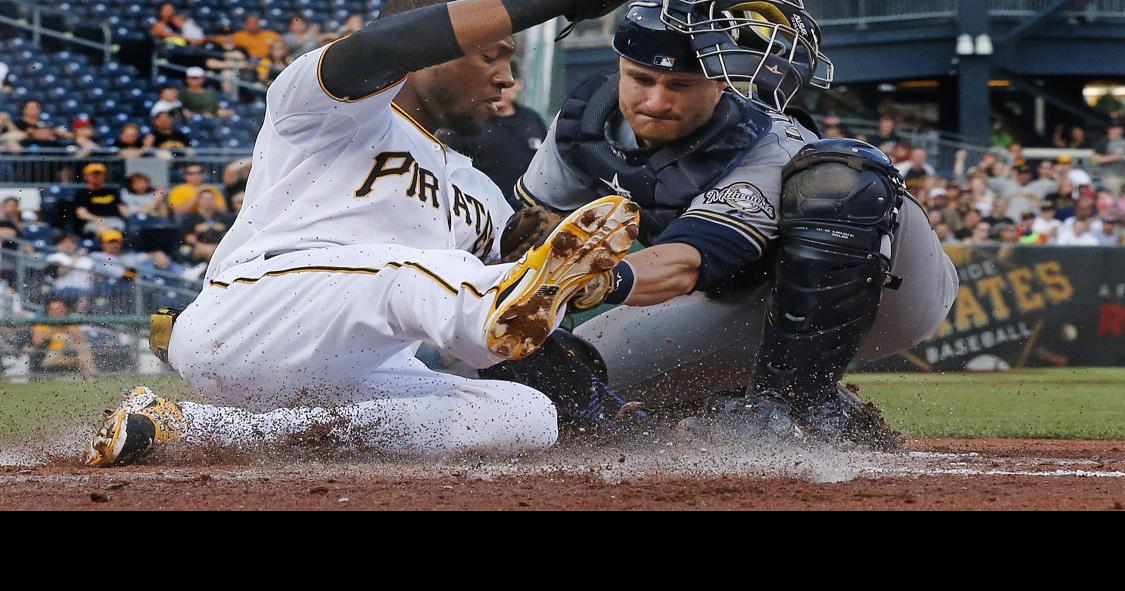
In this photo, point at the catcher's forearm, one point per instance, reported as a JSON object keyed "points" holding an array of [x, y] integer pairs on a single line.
{"points": [[395, 45], [663, 272]]}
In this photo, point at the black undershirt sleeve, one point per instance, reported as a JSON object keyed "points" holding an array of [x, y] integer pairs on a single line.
{"points": [[382, 53], [391, 47]]}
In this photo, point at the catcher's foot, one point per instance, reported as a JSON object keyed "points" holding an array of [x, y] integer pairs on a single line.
{"points": [[590, 241], [141, 421]]}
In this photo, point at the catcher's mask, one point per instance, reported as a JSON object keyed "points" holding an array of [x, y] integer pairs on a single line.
{"points": [[767, 50]]}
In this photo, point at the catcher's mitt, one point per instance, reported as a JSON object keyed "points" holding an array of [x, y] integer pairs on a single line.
{"points": [[525, 230]]}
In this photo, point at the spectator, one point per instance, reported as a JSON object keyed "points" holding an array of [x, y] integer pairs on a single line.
{"points": [[11, 213], [353, 24], [231, 66], [1084, 212], [1064, 166], [62, 346], [1046, 224], [1020, 195], [83, 131], [182, 199], [302, 37], [1109, 157], [1079, 235], [190, 32], [944, 201], [129, 143], [270, 67], [504, 147], [1027, 233], [980, 234], [113, 261], [198, 99], [972, 219], [169, 103], [1110, 234], [888, 131], [204, 229], [1045, 183], [41, 137], [98, 206], [73, 278], [165, 136], [917, 169], [140, 197], [253, 39], [1063, 195], [30, 112], [164, 27], [997, 215], [1009, 233]]}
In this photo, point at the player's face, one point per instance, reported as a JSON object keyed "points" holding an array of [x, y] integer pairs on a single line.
{"points": [[663, 107], [462, 94]]}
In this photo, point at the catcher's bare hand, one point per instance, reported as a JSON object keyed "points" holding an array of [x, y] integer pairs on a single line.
{"points": [[525, 230]]}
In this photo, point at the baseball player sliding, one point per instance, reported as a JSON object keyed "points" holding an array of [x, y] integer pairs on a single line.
{"points": [[772, 259], [361, 236]]}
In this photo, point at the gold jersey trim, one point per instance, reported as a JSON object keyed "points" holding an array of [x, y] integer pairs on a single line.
{"points": [[320, 80], [446, 285], [402, 112], [755, 234]]}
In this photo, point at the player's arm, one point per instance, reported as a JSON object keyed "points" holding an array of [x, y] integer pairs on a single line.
{"points": [[663, 272], [385, 51]]}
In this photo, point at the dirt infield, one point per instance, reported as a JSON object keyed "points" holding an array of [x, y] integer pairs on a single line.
{"points": [[930, 474]]}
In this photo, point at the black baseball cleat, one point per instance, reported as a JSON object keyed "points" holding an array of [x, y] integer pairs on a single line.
{"points": [[843, 420]]}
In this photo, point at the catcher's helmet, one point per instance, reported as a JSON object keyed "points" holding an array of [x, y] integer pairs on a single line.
{"points": [[767, 50], [642, 37]]}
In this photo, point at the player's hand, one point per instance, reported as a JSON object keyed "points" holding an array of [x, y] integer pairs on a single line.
{"points": [[594, 292]]}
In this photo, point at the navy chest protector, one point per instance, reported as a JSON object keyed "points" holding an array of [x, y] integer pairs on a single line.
{"points": [[665, 180]]}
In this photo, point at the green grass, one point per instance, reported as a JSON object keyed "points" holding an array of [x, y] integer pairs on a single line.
{"points": [[1068, 403], [28, 410], [1071, 403]]}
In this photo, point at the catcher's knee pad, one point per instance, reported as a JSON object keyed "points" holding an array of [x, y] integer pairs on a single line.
{"points": [[839, 209]]}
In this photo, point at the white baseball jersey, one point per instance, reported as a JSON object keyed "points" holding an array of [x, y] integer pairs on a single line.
{"points": [[330, 172], [361, 235]]}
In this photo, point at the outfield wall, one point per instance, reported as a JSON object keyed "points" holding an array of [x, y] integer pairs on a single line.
{"points": [[1028, 306]]}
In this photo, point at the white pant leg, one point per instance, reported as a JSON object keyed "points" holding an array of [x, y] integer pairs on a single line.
{"points": [[307, 328], [693, 346], [403, 408]]}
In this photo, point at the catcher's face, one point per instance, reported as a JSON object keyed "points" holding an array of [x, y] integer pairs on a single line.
{"points": [[462, 94], [662, 106]]}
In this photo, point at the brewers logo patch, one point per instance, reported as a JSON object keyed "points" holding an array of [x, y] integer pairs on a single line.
{"points": [[742, 197]]}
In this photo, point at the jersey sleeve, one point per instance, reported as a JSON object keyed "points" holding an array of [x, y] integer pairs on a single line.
{"points": [[550, 181], [305, 114], [733, 223]]}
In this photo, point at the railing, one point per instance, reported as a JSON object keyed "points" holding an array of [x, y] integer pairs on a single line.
{"points": [[32, 19], [163, 63], [1093, 10], [863, 13], [64, 168], [26, 273]]}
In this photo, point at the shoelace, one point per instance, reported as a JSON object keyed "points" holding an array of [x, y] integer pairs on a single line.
{"points": [[602, 406]]}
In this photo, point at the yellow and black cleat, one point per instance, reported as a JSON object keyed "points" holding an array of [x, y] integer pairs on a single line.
{"points": [[141, 421], [589, 242]]}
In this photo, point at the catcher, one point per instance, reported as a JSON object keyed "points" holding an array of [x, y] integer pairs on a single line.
{"points": [[772, 259]]}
